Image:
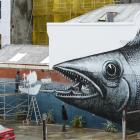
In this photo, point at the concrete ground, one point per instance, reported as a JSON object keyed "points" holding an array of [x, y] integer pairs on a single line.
{"points": [[24, 132]]}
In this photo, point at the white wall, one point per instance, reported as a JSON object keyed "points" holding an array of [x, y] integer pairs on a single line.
{"points": [[5, 21], [73, 40]]}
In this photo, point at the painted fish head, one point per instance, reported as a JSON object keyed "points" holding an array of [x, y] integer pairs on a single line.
{"points": [[101, 83]]}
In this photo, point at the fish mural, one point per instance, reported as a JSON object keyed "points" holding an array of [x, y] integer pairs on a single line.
{"points": [[106, 83]]}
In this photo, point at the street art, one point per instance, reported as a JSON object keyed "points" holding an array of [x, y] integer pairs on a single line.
{"points": [[106, 83]]}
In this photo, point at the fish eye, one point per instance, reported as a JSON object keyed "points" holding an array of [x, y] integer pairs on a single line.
{"points": [[112, 70]]}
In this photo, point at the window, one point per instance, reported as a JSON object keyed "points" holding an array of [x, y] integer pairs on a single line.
{"points": [[108, 17]]}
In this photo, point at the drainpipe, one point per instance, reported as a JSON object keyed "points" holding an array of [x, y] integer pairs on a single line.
{"points": [[0, 41]]}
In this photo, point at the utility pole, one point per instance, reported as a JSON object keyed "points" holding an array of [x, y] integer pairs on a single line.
{"points": [[124, 124], [44, 127]]}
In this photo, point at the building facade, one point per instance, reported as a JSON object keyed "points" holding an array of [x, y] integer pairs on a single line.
{"points": [[15, 21], [5, 8], [16, 18], [21, 21]]}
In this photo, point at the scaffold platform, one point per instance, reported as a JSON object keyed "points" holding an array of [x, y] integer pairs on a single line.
{"points": [[12, 104]]}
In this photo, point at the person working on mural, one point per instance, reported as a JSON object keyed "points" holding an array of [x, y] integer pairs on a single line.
{"points": [[17, 81], [64, 118]]}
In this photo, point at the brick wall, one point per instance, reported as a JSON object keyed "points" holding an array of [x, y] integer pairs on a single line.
{"points": [[10, 73]]}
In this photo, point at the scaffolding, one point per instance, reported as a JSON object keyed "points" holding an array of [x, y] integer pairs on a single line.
{"points": [[12, 105], [59, 11], [32, 88], [42, 13], [67, 9], [34, 110], [62, 10]]}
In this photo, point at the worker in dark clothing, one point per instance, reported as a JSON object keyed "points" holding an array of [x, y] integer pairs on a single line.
{"points": [[64, 118], [17, 81]]}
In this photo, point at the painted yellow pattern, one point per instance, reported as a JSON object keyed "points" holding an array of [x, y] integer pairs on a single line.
{"points": [[59, 11]]}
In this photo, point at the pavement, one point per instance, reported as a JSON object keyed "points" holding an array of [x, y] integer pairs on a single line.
{"points": [[34, 132]]}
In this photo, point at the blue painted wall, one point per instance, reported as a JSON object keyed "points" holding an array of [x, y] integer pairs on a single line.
{"points": [[47, 102]]}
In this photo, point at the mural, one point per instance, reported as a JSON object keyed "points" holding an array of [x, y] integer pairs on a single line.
{"points": [[106, 83]]}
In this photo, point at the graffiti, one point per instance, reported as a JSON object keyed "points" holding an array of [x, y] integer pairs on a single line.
{"points": [[105, 83]]}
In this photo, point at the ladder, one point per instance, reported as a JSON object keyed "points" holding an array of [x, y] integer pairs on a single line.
{"points": [[33, 107]]}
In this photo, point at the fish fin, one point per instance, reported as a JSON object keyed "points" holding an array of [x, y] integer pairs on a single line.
{"points": [[135, 41]]}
